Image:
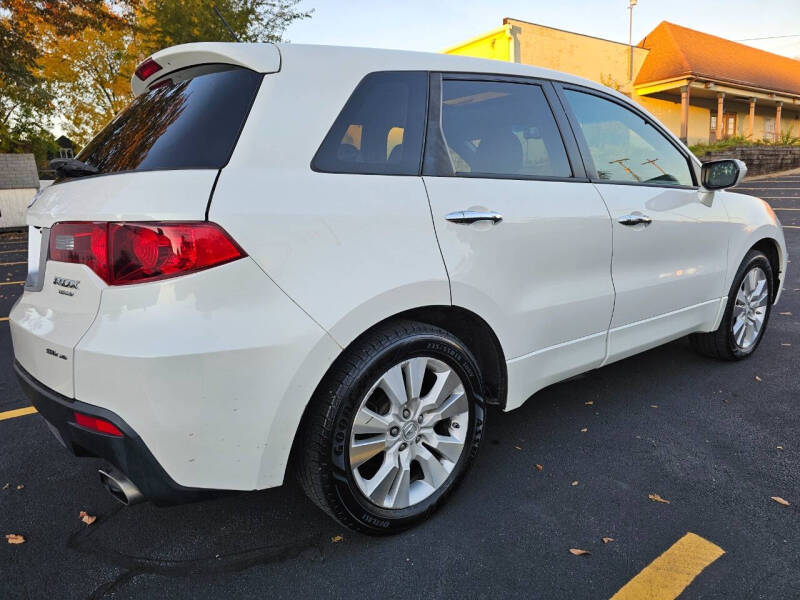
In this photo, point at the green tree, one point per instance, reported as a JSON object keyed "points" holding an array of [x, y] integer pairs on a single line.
{"points": [[170, 22]]}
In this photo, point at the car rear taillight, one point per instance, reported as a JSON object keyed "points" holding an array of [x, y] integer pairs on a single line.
{"points": [[124, 253], [147, 68], [95, 424]]}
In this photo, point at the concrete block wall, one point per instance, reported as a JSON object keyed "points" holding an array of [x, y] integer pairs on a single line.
{"points": [[760, 159]]}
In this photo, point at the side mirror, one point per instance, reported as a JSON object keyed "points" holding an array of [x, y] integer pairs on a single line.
{"points": [[721, 174]]}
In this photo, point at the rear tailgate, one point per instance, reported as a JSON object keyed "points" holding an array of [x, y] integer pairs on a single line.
{"points": [[61, 301]]}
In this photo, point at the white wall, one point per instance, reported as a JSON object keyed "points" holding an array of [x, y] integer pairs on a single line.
{"points": [[13, 206]]}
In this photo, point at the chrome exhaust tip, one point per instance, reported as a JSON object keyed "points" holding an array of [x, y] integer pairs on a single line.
{"points": [[119, 486]]}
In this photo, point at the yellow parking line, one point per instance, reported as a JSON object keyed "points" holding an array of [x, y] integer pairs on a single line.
{"points": [[3, 318], [13, 251], [668, 575], [22, 262], [776, 208], [17, 412], [11, 282], [791, 226]]}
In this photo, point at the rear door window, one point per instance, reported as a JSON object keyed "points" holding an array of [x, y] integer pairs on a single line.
{"points": [[495, 128], [182, 124], [380, 129]]}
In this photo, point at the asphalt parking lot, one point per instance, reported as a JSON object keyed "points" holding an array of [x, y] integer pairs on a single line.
{"points": [[715, 440]]}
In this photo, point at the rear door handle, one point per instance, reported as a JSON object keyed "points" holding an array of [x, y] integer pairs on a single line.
{"points": [[465, 217], [635, 219]]}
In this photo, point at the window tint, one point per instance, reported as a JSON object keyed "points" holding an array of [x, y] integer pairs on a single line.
{"points": [[380, 129], [190, 124], [497, 128], [624, 147]]}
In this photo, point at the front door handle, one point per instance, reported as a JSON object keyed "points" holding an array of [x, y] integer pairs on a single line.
{"points": [[635, 219], [465, 217]]}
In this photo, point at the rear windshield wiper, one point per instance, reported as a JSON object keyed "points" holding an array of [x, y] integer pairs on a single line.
{"points": [[72, 167]]}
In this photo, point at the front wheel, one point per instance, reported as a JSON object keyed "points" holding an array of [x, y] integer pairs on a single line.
{"points": [[746, 313], [392, 428]]}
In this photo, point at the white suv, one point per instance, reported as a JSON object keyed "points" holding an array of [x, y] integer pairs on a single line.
{"points": [[341, 256]]}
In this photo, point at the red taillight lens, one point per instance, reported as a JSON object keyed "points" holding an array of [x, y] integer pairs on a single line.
{"points": [[147, 68], [83, 243], [96, 424], [124, 253]]}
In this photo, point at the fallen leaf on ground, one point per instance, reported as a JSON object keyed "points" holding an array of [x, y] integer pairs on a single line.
{"points": [[87, 518], [607, 539], [780, 500], [785, 344], [517, 447], [780, 447], [589, 402], [584, 430], [15, 538], [657, 498], [539, 468], [654, 406], [758, 378], [574, 483], [579, 552], [336, 539], [5, 487], [20, 486], [786, 314]]}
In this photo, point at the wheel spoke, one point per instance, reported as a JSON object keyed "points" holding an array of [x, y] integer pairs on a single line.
{"points": [[456, 404], [362, 450], [380, 484], [433, 471], [369, 422], [445, 384], [395, 388], [448, 446], [415, 373], [398, 496]]}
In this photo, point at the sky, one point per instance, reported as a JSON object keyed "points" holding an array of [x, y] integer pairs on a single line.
{"points": [[432, 25]]}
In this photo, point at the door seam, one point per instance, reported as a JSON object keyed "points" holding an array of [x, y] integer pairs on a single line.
{"points": [[436, 236]]}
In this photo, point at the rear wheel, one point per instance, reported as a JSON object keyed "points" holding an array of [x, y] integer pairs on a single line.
{"points": [[392, 428], [746, 314]]}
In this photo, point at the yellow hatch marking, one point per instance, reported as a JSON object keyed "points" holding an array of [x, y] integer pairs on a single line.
{"points": [[22, 262], [11, 282], [17, 412], [667, 576]]}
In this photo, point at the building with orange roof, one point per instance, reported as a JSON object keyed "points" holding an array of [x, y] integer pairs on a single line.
{"points": [[701, 86]]}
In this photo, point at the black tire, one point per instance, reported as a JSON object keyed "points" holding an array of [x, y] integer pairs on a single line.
{"points": [[323, 454], [721, 344]]}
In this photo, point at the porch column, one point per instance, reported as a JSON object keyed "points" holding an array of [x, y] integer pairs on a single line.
{"points": [[778, 121], [684, 113], [752, 118], [720, 112]]}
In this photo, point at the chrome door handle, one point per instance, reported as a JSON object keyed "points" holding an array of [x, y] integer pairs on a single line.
{"points": [[635, 219], [465, 217]]}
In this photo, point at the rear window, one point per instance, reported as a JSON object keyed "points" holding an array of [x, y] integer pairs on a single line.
{"points": [[380, 129], [188, 124]]}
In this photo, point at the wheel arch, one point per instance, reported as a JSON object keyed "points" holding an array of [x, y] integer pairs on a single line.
{"points": [[468, 326], [772, 249]]}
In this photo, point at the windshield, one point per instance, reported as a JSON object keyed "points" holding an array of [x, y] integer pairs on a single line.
{"points": [[191, 124]]}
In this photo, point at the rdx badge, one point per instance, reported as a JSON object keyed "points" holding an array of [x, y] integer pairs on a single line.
{"points": [[66, 283]]}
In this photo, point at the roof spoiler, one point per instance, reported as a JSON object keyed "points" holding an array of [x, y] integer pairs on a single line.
{"points": [[263, 58]]}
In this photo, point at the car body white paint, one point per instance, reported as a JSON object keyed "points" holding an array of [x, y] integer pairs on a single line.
{"points": [[215, 369]]}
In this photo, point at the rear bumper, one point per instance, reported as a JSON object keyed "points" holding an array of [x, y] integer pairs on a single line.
{"points": [[129, 453]]}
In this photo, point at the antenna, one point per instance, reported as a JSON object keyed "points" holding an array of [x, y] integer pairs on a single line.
{"points": [[224, 22]]}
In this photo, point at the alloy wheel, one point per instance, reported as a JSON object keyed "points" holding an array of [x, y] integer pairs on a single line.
{"points": [[409, 432], [750, 308]]}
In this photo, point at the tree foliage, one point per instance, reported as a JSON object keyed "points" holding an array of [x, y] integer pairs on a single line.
{"points": [[171, 22], [73, 59]]}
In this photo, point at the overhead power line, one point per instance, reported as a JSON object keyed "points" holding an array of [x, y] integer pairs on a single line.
{"points": [[769, 37]]}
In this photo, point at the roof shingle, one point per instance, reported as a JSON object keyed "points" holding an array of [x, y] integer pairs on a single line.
{"points": [[677, 51]]}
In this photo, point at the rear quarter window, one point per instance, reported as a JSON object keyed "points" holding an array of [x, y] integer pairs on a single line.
{"points": [[380, 129], [188, 124]]}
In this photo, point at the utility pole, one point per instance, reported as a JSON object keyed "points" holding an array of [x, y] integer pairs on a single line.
{"points": [[630, 38]]}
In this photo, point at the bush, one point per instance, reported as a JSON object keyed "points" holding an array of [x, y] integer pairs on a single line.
{"points": [[786, 139]]}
